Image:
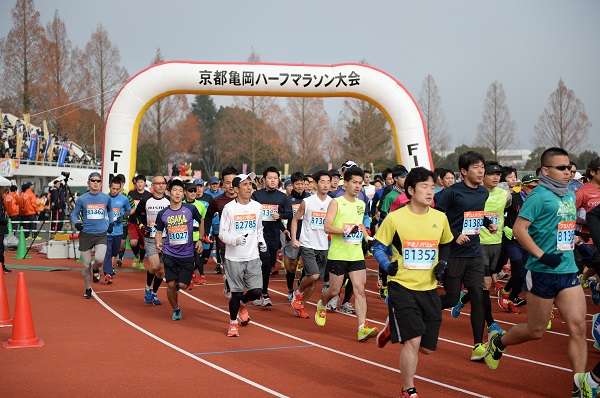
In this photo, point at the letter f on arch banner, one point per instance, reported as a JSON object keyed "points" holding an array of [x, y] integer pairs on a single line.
{"points": [[260, 79]]}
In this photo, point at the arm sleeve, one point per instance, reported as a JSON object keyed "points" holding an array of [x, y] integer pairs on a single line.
{"points": [[380, 254], [76, 211], [444, 252], [593, 223], [208, 217]]}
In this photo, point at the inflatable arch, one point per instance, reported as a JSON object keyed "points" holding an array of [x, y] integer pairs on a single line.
{"points": [[260, 79]]}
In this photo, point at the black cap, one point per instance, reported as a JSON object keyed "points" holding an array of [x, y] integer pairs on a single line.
{"points": [[334, 172], [190, 185], [528, 179], [493, 169]]}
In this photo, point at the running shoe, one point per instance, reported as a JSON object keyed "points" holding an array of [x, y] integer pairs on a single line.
{"points": [[233, 330], [148, 296], [195, 278], [518, 301], [88, 294], [302, 312], [512, 308], [155, 299], [595, 292], [366, 332], [584, 283], [459, 306], [297, 301], [383, 292], [218, 269], [333, 303], [258, 302], [291, 295], [202, 280], [325, 287], [384, 335], [585, 390], [549, 326], [96, 275], [266, 302], [119, 262], [243, 315], [502, 274], [492, 352], [176, 314], [498, 287], [503, 300], [347, 308], [596, 330], [108, 279], [321, 314], [494, 326], [479, 351], [191, 286], [406, 394]]}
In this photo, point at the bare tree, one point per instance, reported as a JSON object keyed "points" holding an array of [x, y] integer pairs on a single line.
{"points": [[159, 126], [22, 57], [307, 124], [497, 130], [564, 122], [430, 103], [102, 74]]}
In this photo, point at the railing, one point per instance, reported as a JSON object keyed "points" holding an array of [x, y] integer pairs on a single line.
{"points": [[55, 164]]}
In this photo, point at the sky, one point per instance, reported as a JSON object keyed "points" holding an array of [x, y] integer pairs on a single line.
{"points": [[527, 46]]}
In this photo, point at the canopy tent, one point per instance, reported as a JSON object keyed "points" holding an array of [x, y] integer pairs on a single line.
{"points": [[4, 182]]}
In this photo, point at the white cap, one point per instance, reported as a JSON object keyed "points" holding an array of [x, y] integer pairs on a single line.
{"points": [[242, 177], [578, 176]]}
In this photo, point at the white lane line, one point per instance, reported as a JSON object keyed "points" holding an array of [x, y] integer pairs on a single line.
{"points": [[467, 345], [186, 353], [339, 352]]}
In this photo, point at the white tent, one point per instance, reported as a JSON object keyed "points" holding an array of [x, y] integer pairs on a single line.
{"points": [[4, 182]]}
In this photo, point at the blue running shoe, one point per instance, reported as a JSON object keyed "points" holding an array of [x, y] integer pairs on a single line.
{"points": [[155, 299], [494, 326], [595, 293], [176, 314], [456, 309], [596, 329], [148, 296]]}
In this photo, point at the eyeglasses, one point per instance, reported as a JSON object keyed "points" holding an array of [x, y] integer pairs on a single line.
{"points": [[561, 167], [159, 183], [95, 180], [191, 190]]}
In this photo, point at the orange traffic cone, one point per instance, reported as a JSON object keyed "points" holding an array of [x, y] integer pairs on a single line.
{"points": [[4, 311], [23, 334]]}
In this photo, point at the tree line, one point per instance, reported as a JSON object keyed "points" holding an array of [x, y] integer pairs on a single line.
{"points": [[72, 88]]}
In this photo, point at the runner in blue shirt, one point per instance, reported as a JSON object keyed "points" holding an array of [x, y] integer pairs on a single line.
{"points": [[121, 208]]}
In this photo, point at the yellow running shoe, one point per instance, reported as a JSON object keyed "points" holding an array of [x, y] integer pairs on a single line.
{"points": [[321, 314], [366, 332], [478, 352]]}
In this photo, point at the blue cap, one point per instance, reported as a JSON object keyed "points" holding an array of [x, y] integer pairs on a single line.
{"points": [[287, 182], [213, 180], [199, 181]]}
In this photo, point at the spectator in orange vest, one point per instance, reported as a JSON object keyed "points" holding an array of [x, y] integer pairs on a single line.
{"points": [[12, 205], [29, 208], [3, 231]]}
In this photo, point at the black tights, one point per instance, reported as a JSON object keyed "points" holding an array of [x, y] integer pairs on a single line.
{"points": [[477, 309], [237, 297]]}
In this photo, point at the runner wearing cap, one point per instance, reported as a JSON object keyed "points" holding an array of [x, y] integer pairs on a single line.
{"points": [[508, 298], [336, 176], [574, 185], [272, 202], [136, 237], [200, 193], [242, 233], [214, 191], [89, 214]]}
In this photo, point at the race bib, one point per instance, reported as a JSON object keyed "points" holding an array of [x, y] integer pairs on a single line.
{"points": [[473, 221], [565, 237], [178, 235], [116, 212], [295, 209], [152, 226], [94, 211], [352, 239], [244, 223], [317, 219], [419, 254], [493, 217], [267, 212]]}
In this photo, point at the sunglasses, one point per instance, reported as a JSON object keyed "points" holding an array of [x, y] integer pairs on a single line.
{"points": [[561, 167], [95, 180], [191, 190], [531, 186]]}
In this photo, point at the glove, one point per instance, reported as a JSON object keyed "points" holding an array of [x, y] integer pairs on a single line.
{"points": [[392, 268], [207, 240], [119, 220], [240, 240], [262, 247], [370, 240], [508, 232], [551, 260], [349, 230], [587, 253], [439, 270], [110, 228], [79, 226], [146, 231]]}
